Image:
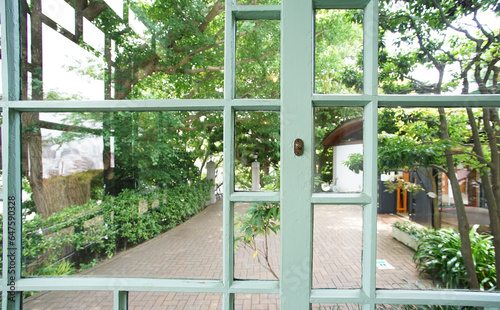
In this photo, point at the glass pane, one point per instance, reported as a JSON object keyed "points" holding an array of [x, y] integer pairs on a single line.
{"points": [[68, 300], [258, 59], [171, 300], [433, 197], [102, 183], [256, 301], [339, 52], [257, 151], [337, 245], [395, 266], [339, 149], [257, 246], [438, 50], [127, 50]]}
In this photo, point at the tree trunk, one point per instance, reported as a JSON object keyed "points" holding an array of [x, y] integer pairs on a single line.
{"points": [[32, 137], [436, 214], [32, 141], [463, 223], [486, 183]]}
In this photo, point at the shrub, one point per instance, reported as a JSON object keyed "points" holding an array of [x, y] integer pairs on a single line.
{"points": [[439, 255], [101, 228], [416, 232]]}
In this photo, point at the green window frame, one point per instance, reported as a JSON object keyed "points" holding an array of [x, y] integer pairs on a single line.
{"points": [[296, 106]]}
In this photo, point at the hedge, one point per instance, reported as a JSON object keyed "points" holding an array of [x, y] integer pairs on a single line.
{"points": [[104, 227]]}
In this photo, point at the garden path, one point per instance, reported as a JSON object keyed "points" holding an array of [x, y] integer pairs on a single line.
{"points": [[194, 250]]}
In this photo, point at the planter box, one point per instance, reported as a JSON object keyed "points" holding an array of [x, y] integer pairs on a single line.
{"points": [[404, 238]]}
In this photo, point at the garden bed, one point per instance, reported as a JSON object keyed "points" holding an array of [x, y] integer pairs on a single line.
{"points": [[408, 233]]}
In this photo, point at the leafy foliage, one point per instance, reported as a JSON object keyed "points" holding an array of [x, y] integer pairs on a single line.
{"points": [[260, 220], [439, 255], [405, 186], [105, 227], [411, 229]]}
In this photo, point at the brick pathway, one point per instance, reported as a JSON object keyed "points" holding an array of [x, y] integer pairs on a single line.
{"points": [[194, 250]]}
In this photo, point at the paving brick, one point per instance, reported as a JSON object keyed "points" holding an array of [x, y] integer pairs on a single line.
{"points": [[194, 250]]}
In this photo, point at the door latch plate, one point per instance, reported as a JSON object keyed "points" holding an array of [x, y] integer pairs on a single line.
{"points": [[298, 147]]}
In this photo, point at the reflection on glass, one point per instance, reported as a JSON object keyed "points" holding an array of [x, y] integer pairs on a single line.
{"points": [[427, 191], [258, 59], [437, 51], [337, 245], [60, 300], [257, 151], [99, 183], [122, 50], [256, 244], [338, 52], [339, 149]]}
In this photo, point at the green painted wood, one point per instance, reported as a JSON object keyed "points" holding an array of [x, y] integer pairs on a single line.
{"points": [[228, 153], [11, 50], [255, 287], [439, 297], [120, 300], [369, 254], [257, 12], [255, 197], [409, 100], [228, 210], [370, 138], [340, 4], [147, 105], [120, 284], [122, 105], [296, 171], [338, 296], [296, 194], [11, 158], [341, 198], [12, 228]]}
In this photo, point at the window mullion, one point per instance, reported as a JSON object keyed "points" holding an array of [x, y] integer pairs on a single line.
{"points": [[228, 170], [11, 50], [370, 83], [11, 161], [297, 31]]}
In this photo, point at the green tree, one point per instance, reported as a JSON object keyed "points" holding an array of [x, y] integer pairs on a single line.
{"points": [[435, 34]]}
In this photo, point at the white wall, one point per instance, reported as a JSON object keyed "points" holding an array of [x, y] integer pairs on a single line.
{"points": [[347, 180]]}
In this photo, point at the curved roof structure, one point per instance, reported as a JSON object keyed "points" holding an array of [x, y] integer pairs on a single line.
{"points": [[351, 130]]}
